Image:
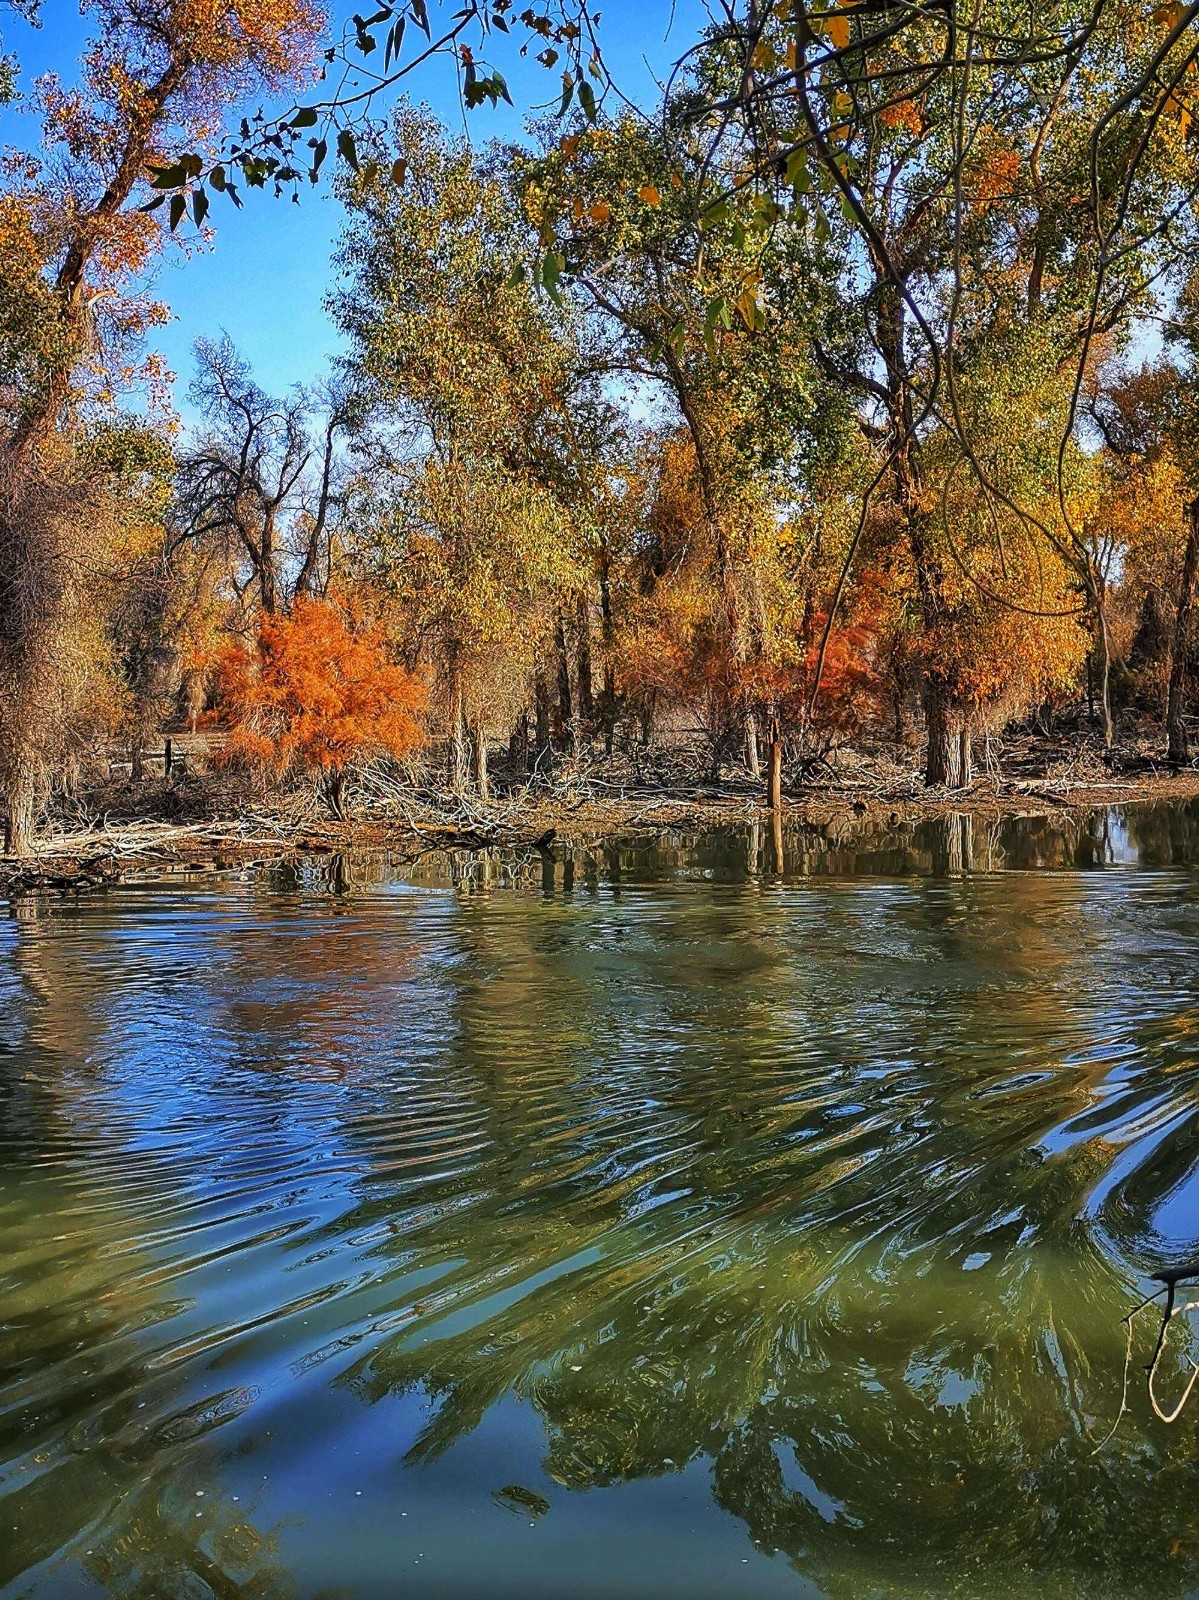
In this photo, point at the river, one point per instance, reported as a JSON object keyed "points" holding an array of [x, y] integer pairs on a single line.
{"points": [[724, 1216]]}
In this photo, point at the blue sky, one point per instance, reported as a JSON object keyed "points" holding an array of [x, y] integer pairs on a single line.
{"points": [[270, 267]]}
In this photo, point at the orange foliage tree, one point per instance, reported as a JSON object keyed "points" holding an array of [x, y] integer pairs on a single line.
{"points": [[313, 694]]}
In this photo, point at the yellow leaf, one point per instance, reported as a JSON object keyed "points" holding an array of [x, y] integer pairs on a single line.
{"points": [[576, 209], [838, 32], [649, 194]]}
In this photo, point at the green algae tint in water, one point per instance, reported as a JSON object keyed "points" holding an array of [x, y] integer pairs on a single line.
{"points": [[680, 1229]]}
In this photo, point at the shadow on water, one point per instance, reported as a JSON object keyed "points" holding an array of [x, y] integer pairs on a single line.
{"points": [[679, 1227]]}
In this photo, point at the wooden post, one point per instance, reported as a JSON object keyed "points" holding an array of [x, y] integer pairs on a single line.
{"points": [[774, 767]]}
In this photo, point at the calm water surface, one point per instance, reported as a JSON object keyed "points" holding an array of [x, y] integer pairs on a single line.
{"points": [[651, 1223]]}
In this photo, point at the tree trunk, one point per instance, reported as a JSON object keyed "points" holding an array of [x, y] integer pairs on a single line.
{"points": [[647, 719], [518, 742], [335, 792], [752, 760], [20, 794], [586, 705], [565, 713], [458, 739], [607, 630], [774, 767], [543, 732], [965, 773], [1104, 663], [938, 762], [478, 757], [1178, 751]]}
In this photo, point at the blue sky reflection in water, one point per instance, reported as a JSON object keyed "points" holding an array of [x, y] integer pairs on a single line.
{"points": [[687, 1231]]}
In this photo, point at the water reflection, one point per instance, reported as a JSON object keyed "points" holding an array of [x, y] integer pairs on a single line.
{"points": [[946, 844], [678, 1231]]}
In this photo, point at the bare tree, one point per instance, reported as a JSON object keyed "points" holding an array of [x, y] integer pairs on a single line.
{"points": [[257, 483]]}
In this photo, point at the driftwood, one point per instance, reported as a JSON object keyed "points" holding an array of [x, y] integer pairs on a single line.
{"points": [[1171, 1280]]}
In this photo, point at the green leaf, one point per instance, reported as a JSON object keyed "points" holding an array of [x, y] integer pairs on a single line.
{"points": [[178, 207], [395, 38], [154, 204], [168, 177], [217, 179], [199, 206], [347, 149], [551, 273], [305, 117], [568, 93], [319, 151], [587, 100]]}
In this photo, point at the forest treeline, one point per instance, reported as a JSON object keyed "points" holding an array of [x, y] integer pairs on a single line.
{"points": [[666, 419]]}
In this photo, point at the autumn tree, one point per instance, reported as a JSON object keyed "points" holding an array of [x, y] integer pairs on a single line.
{"points": [[467, 377], [314, 693], [1147, 512], [718, 323], [74, 240]]}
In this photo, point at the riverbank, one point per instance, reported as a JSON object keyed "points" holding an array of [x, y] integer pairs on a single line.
{"points": [[163, 829]]}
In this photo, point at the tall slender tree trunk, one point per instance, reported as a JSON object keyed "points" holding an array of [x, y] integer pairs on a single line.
{"points": [[648, 709], [1103, 662], [565, 710], [752, 759], [478, 759], [543, 732], [938, 761], [458, 737], [965, 773], [583, 677], [1178, 751], [607, 634]]}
